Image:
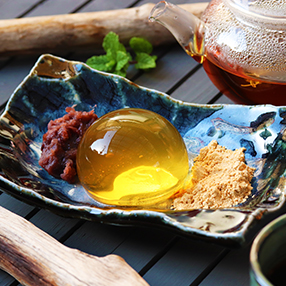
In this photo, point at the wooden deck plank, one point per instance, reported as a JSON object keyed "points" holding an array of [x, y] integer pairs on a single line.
{"points": [[177, 2], [232, 270], [13, 74], [224, 99], [53, 224], [15, 8], [62, 7], [196, 89], [183, 263], [6, 279], [161, 78], [100, 5], [14, 205], [143, 245], [98, 239]]}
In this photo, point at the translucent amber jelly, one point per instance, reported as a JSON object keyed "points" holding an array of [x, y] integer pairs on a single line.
{"points": [[132, 157]]}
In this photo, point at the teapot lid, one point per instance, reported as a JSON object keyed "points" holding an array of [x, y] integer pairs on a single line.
{"points": [[264, 8]]}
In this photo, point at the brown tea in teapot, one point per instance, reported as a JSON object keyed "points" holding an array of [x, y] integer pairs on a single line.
{"points": [[245, 90], [242, 45], [245, 57]]}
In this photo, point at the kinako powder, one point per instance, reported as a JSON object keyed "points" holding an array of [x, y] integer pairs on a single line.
{"points": [[219, 179]]}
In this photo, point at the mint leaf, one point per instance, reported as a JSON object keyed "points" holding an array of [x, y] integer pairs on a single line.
{"points": [[145, 61], [102, 63], [124, 68], [140, 45], [111, 43], [122, 59], [117, 59]]}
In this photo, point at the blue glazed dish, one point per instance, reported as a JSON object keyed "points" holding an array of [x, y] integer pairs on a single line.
{"points": [[54, 84]]}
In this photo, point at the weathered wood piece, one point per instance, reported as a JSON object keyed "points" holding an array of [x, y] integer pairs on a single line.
{"points": [[71, 32], [35, 258]]}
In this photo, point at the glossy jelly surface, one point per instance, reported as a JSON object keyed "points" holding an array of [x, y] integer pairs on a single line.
{"points": [[132, 157]]}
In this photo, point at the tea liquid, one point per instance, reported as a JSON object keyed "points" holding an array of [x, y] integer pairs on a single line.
{"points": [[237, 45], [245, 90], [276, 275]]}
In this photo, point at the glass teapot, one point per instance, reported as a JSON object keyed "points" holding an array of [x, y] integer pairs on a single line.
{"points": [[241, 44]]}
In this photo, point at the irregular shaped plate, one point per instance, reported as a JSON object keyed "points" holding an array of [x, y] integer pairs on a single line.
{"points": [[55, 83]]}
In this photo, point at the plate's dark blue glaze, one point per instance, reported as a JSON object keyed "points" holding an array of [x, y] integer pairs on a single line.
{"points": [[54, 83]]}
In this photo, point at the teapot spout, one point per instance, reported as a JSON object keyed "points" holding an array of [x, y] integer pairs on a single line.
{"points": [[188, 30]]}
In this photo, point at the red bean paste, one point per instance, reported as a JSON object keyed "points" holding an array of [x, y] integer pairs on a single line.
{"points": [[60, 143]]}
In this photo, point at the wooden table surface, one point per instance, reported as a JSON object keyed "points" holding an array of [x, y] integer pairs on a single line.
{"points": [[160, 257]]}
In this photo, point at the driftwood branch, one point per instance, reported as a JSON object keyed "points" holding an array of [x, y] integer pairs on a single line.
{"points": [[71, 32], [35, 258]]}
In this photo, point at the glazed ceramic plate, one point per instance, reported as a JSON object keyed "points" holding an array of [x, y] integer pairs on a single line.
{"points": [[54, 84]]}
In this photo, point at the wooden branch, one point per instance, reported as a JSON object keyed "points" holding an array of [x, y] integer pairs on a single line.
{"points": [[35, 258], [74, 31]]}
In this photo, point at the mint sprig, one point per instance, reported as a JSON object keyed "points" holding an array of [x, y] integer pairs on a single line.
{"points": [[117, 59]]}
